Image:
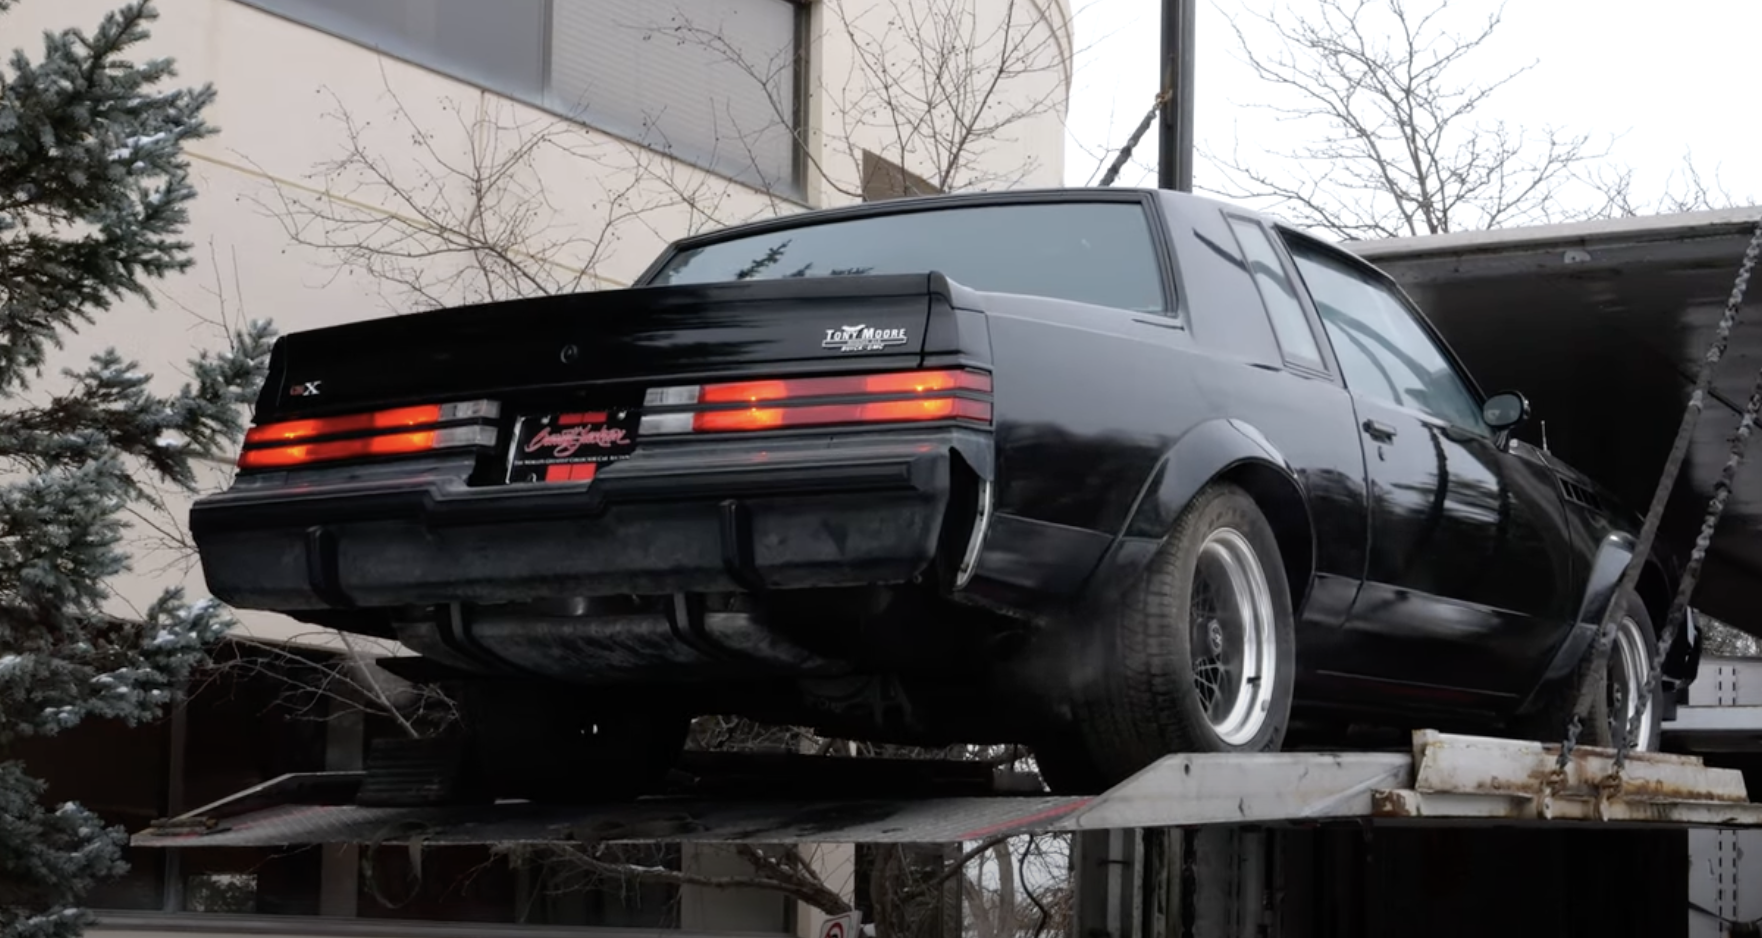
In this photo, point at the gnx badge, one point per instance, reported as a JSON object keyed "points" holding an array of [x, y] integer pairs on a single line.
{"points": [[304, 389], [862, 338]]}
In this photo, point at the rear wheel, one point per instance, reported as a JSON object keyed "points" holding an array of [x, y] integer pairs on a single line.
{"points": [[1197, 656], [543, 745]]}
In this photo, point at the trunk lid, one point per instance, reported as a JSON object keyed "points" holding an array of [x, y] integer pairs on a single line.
{"points": [[627, 338]]}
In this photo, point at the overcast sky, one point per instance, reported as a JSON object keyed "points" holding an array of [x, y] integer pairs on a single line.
{"points": [[1666, 77]]}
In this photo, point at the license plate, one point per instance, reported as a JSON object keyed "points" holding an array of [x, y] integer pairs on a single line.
{"points": [[570, 447]]}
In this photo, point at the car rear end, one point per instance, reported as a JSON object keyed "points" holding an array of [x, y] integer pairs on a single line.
{"points": [[734, 437]]}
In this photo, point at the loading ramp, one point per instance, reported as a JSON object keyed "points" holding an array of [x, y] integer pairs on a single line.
{"points": [[1274, 844], [1446, 779]]}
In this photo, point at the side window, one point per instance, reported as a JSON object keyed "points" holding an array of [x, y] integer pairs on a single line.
{"points": [[1296, 338], [1383, 351]]}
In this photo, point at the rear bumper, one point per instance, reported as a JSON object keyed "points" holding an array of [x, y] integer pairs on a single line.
{"points": [[698, 518]]}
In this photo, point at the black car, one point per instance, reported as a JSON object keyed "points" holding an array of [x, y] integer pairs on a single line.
{"points": [[1110, 473]]}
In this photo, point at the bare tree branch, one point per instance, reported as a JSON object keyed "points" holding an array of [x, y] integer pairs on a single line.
{"points": [[462, 215], [1686, 189], [1399, 146], [779, 870], [938, 87]]}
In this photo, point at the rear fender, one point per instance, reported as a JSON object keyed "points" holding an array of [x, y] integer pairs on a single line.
{"points": [[1224, 447], [1606, 568]]}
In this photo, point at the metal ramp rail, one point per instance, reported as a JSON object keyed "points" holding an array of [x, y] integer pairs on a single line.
{"points": [[1446, 779]]}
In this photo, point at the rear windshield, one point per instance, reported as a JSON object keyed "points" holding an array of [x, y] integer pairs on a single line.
{"points": [[1094, 252]]}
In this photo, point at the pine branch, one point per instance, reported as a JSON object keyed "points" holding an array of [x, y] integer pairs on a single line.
{"points": [[94, 195], [94, 186]]}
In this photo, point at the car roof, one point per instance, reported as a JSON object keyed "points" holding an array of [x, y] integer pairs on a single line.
{"points": [[960, 199]]}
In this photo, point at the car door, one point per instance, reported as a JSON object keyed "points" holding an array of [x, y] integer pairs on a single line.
{"points": [[1469, 562]]}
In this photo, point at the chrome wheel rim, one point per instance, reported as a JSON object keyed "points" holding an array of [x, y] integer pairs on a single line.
{"points": [[1231, 637], [1630, 665]]}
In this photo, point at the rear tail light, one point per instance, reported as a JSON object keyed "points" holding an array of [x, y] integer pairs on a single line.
{"points": [[788, 403], [394, 432]]}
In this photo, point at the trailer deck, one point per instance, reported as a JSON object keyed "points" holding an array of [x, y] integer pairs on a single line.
{"points": [[1445, 780]]}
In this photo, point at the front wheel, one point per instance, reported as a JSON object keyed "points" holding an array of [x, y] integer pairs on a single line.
{"points": [[1630, 666], [1614, 695], [1197, 656]]}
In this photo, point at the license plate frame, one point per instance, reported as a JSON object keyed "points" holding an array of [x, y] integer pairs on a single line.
{"points": [[569, 445]]}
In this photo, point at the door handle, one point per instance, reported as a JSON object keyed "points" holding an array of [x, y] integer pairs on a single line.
{"points": [[1379, 431]]}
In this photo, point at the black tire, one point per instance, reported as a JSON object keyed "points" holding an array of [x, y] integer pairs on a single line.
{"points": [[542, 745], [1548, 721], [1145, 699]]}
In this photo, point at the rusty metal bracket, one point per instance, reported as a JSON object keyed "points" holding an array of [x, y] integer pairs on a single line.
{"points": [[1481, 777]]}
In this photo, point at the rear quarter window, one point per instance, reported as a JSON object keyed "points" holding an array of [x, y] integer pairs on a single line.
{"points": [[1090, 252], [1277, 293]]}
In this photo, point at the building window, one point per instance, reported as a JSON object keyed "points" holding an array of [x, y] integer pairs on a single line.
{"points": [[712, 82]]}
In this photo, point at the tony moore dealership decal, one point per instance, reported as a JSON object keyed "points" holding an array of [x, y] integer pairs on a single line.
{"points": [[862, 338]]}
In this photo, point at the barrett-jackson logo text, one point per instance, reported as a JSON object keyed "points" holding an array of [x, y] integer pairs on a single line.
{"points": [[566, 441], [862, 338]]}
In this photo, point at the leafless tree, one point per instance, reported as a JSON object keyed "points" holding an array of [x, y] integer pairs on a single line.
{"points": [[1399, 141], [906, 886], [1688, 188], [1021, 890], [321, 674], [458, 212], [941, 86]]}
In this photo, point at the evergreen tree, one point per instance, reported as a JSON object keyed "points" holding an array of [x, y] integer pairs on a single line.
{"points": [[94, 192]]}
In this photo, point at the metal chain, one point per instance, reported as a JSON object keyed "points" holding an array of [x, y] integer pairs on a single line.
{"points": [[1685, 588], [1125, 155], [1697, 557], [1649, 532]]}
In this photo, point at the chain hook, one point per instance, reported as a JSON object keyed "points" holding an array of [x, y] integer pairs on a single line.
{"points": [[1551, 786], [1609, 790], [1556, 778]]}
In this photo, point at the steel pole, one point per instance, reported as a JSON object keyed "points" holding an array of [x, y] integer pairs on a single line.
{"points": [[1175, 133]]}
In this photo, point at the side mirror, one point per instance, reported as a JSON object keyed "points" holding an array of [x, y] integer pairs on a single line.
{"points": [[1505, 411]]}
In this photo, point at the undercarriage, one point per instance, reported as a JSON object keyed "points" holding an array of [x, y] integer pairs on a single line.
{"points": [[887, 665]]}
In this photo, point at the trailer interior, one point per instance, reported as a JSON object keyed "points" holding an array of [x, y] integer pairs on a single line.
{"points": [[1603, 326]]}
